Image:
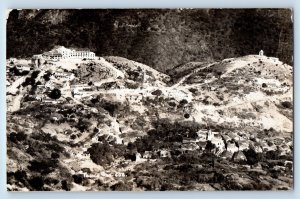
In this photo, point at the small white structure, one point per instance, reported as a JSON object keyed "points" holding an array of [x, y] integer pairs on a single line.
{"points": [[261, 53], [138, 157], [37, 60], [23, 68], [231, 147], [165, 154], [147, 155]]}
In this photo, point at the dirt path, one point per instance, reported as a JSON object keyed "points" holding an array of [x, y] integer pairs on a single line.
{"points": [[187, 76]]}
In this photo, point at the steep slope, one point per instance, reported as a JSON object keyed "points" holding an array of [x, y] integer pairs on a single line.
{"points": [[224, 125], [253, 85]]}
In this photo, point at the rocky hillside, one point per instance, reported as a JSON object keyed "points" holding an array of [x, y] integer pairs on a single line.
{"points": [[160, 38], [121, 125]]}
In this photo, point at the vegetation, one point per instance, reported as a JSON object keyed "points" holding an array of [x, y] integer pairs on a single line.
{"points": [[55, 94]]}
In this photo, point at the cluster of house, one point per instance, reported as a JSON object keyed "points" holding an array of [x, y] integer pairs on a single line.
{"points": [[60, 52], [227, 146]]}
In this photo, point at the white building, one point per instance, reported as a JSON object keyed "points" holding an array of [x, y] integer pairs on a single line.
{"points": [[261, 53], [23, 68], [60, 52]]}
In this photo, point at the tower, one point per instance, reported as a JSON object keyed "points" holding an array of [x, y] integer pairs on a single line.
{"points": [[209, 135]]}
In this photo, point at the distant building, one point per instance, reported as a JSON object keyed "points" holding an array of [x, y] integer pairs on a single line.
{"points": [[261, 53], [164, 153], [23, 67], [37, 60], [231, 147], [60, 52]]}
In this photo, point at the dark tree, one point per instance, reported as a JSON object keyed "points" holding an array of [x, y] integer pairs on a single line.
{"points": [[157, 92], [37, 183], [286, 104], [209, 146], [55, 94]]}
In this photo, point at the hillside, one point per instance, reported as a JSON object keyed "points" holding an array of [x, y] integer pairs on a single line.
{"points": [[160, 38], [117, 124]]}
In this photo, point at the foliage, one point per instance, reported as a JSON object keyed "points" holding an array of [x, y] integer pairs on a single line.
{"points": [[104, 153], [55, 94]]}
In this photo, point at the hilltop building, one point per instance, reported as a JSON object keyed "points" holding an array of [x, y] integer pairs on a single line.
{"points": [[60, 52], [261, 53]]}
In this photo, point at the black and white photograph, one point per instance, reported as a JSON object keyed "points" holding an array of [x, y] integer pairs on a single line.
{"points": [[184, 99]]}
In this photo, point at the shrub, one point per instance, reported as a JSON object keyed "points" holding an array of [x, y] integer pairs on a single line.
{"points": [[66, 185], [35, 74], [78, 178], [54, 155], [193, 90], [252, 156], [37, 183], [172, 104], [287, 104], [120, 186], [47, 75], [17, 137], [103, 154], [55, 94], [157, 92], [43, 167], [264, 85], [183, 102], [186, 115]]}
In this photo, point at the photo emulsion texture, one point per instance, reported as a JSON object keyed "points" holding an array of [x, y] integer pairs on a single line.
{"points": [[149, 99]]}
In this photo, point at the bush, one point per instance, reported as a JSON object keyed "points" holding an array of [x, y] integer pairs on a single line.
{"points": [[183, 102], [35, 74], [37, 183], [47, 75], [43, 167], [17, 137], [78, 178], [252, 156], [193, 90], [104, 154], [287, 104], [66, 185], [120, 186], [20, 176], [157, 92], [28, 81], [54, 155], [55, 94], [172, 104], [264, 85], [186, 115]]}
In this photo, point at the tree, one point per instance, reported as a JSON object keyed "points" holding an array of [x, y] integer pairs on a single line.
{"points": [[186, 115], [157, 92], [103, 154], [37, 183], [210, 146], [286, 104], [252, 156], [55, 94], [264, 85]]}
